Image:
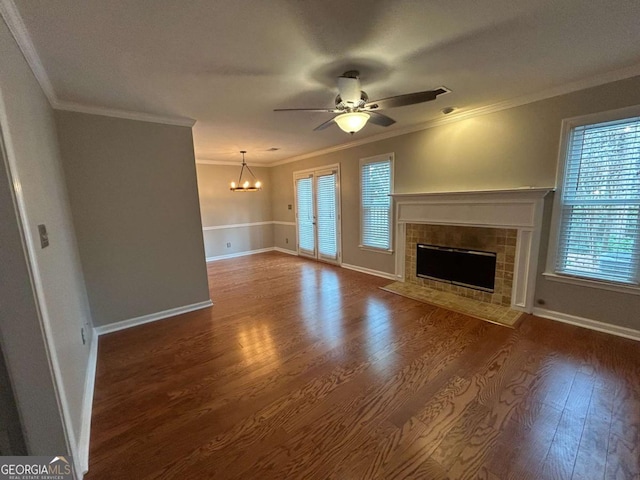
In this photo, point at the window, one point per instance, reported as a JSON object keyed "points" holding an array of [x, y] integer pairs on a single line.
{"points": [[376, 179], [597, 215]]}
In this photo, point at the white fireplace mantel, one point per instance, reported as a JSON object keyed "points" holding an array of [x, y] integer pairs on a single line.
{"points": [[519, 209]]}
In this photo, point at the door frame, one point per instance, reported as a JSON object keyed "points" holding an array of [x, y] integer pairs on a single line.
{"points": [[314, 172]]}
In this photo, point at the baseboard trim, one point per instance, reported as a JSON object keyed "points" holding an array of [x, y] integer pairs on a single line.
{"points": [[153, 317], [588, 323], [369, 271], [239, 254], [251, 252], [284, 250], [87, 406]]}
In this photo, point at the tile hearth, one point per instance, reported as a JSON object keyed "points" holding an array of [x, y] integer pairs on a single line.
{"points": [[474, 308]]}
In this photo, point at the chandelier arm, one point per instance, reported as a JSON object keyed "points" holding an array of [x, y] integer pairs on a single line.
{"points": [[248, 168], [241, 171]]}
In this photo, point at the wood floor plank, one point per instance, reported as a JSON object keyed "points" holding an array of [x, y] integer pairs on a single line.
{"points": [[304, 370], [532, 444], [562, 454]]}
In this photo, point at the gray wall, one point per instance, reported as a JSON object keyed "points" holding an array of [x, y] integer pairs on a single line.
{"points": [[134, 199], [284, 237], [29, 135], [11, 438], [220, 207], [507, 149]]}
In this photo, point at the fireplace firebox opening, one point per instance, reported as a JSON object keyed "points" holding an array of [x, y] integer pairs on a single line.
{"points": [[474, 269]]}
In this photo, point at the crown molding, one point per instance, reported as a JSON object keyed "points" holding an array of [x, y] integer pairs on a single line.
{"points": [[129, 115], [590, 82], [16, 25], [206, 161]]}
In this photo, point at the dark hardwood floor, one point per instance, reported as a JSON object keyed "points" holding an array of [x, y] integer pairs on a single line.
{"points": [[303, 370]]}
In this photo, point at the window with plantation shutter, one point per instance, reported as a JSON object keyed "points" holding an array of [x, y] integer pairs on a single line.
{"points": [[376, 180], [599, 211]]}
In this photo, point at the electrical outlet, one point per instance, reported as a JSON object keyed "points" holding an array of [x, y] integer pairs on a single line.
{"points": [[289, 206], [228, 244], [286, 240], [84, 341]]}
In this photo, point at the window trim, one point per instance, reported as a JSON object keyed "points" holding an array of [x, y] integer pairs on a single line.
{"points": [[550, 273], [364, 161]]}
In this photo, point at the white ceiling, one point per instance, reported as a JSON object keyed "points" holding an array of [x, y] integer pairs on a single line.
{"points": [[228, 63]]}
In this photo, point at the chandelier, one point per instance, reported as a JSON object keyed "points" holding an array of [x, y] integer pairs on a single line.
{"points": [[245, 186]]}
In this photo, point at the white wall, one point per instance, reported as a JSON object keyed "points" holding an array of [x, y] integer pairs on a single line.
{"points": [[32, 150]]}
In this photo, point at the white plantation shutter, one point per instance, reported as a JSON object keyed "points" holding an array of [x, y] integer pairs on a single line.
{"points": [[375, 184], [327, 234], [599, 226], [304, 204]]}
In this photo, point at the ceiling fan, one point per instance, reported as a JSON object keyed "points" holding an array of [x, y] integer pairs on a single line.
{"points": [[354, 108]]}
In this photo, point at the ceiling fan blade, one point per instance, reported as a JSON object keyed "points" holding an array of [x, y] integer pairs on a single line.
{"points": [[380, 119], [324, 125], [326, 110], [407, 99]]}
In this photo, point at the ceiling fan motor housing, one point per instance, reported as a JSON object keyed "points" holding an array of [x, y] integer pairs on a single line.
{"points": [[349, 87], [342, 104]]}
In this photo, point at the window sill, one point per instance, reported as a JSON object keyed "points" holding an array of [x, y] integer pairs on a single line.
{"points": [[583, 282], [377, 250]]}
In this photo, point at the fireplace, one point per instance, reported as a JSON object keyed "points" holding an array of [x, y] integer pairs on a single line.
{"points": [[474, 269], [499, 241], [507, 222]]}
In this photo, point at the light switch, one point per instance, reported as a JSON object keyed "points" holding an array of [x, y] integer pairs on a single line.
{"points": [[44, 236]]}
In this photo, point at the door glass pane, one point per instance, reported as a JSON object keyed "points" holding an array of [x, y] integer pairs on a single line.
{"points": [[304, 199], [326, 198]]}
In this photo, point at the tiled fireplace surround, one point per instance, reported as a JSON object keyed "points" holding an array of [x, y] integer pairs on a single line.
{"points": [[497, 240], [507, 222]]}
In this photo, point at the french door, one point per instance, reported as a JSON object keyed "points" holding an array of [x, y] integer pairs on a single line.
{"points": [[318, 214]]}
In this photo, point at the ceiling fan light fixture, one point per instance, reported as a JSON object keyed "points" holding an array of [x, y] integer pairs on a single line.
{"points": [[352, 122]]}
